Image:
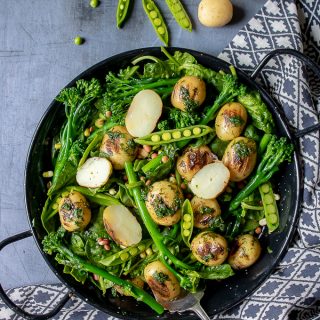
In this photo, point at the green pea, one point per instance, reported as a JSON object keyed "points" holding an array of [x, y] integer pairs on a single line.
{"points": [[186, 225], [124, 256], [265, 188], [273, 218], [155, 138], [154, 14], [180, 14], [187, 133], [186, 233], [268, 199], [94, 3], [157, 22], [166, 136], [141, 247], [133, 251], [78, 40], [176, 135], [187, 217], [271, 209], [196, 131]]}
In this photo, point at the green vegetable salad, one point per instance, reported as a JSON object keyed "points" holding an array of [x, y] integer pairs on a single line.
{"points": [[161, 178]]}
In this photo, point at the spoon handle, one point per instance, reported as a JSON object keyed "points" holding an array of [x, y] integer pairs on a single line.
{"points": [[200, 312]]}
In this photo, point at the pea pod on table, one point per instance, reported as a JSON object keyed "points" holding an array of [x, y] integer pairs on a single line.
{"points": [[170, 136], [122, 11], [270, 206], [179, 13], [187, 222], [157, 20]]}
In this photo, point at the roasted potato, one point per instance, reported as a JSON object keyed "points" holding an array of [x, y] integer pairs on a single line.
{"points": [[204, 211], [245, 252], [240, 158], [210, 248], [164, 201], [74, 211], [162, 282], [230, 121], [192, 160], [188, 93], [119, 147]]}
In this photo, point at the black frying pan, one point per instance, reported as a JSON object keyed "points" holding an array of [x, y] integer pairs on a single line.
{"points": [[219, 296]]}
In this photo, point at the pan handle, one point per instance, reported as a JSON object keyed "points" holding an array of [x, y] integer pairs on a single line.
{"points": [[11, 304], [300, 56]]}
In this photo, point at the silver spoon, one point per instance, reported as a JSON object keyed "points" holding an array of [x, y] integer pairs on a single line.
{"points": [[191, 301]]}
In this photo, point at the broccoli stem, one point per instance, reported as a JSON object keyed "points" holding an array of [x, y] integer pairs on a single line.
{"points": [[149, 223], [135, 291]]}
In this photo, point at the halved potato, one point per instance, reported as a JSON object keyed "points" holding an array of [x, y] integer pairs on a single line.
{"points": [[143, 113], [94, 173], [210, 181], [122, 225]]}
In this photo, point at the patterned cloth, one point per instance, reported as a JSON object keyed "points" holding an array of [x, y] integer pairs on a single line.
{"points": [[293, 291]]}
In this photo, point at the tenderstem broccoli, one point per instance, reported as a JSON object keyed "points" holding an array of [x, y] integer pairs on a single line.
{"points": [[278, 151], [53, 243]]}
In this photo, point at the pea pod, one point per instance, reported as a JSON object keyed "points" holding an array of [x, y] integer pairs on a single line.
{"points": [[125, 254], [157, 20], [122, 11], [174, 135], [270, 206], [187, 222], [179, 13]]}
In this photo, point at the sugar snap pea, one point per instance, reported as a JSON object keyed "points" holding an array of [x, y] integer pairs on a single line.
{"points": [[157, 20], [125, 254], [270, 206], [170, 136], [179, 13], [122, 11], [186, 222]]}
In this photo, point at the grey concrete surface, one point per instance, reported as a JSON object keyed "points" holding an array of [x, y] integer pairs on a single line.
{"points": [[37, 59]]}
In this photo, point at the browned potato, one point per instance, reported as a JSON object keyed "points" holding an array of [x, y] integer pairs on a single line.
{"points": [[188, 93], [210, 248], [74, 212], [240, 158], [164, 201], [193, 159], [245, 252], [119, 147], [204, 211], [162, 281], [230, 121]]}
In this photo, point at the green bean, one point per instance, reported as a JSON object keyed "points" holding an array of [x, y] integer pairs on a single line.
{"points": [[264, 143], [170, 136], [270, 206], [157, 20], [125, 254], [180, 14], [97, 139], [186, 222], [122, 11]]}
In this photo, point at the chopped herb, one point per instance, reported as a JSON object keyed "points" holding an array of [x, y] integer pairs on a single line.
{"points": [[114, 135], [236, 120], [206, 210], [67, 205], [160, 277], [269, 250], [189, 103], [242, 149]]}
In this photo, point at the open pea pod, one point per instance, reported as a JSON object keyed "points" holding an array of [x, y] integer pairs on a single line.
{"points": [[125, 254], [174, 135], [270, 206], [187, 222]]}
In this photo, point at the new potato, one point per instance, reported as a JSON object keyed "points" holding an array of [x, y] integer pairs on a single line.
{"points": [[215, 13]]}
